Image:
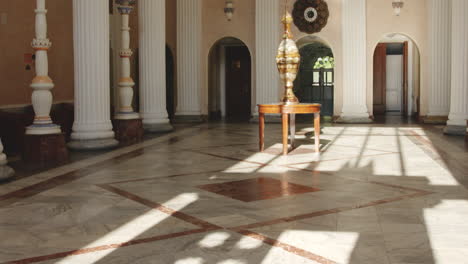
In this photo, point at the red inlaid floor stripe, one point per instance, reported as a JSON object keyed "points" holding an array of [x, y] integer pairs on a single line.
{"points": [[106, 247], [65, 178], [328, 211], [160, 207]]}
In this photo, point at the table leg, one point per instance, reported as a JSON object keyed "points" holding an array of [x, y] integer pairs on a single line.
{"points": [[292, 126], [317, 131], [285, 133], [261, 131]]}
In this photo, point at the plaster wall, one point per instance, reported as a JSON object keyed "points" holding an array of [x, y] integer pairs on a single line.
{"points": [[16, 36], [412, 23], [216, 27]]}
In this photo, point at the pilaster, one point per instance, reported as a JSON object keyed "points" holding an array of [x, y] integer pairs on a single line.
{"points": [[439, 60], [189, 34], [456, 125], [354, 63]]}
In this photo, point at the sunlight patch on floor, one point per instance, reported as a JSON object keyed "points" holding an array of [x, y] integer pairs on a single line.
{"points": [[132, 229], [214, 240]]}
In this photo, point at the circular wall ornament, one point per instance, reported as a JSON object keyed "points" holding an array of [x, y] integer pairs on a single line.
{"points": [[310, 16]]}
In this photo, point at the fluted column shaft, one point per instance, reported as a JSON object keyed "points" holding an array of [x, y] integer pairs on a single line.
{"points": [[267, 38], [152, 34], [126, 82], [440, 57], [92, 128], [42, 84], [459, 92], [189, 34], [354, 62]]}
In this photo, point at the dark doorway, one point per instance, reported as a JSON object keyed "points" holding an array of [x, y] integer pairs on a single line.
{"points": [[315, 81], [229, 81], [238, 83], [170, 83]]}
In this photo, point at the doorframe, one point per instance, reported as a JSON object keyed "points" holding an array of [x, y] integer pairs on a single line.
{"points": [[381, 108], [404, 111], [405, 86]]}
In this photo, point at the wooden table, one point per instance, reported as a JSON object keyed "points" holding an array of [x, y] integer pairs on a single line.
{"points": [[291, 111]]}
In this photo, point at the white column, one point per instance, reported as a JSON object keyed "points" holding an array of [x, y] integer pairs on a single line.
{"points": [[42, 84], [126, 82], [189, 36], [440, 57], [92, 128], [5, 171], [456, 124], [354, 62], [267, 38], [152, 34]]}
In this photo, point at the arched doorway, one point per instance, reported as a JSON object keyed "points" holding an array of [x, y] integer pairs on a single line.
{"points": [[229, 87], [316, 77], [170, 93], [396, 71]]}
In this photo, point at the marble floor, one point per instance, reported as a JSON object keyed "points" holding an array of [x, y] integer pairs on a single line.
{"points": [[376, 194]]}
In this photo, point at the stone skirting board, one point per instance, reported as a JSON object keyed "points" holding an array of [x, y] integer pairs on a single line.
{"points": [[354, 120], [45, 149], [190, 118], [128, 131], [158, 127], [435, 120], [13, 122]]}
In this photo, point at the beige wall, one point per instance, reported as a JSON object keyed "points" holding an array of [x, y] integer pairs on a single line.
{"points": [[16, 37], [412, 23], [216, 27]]}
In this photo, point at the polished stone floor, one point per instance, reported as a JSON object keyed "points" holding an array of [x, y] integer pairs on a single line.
{"points": [[376, 194]]}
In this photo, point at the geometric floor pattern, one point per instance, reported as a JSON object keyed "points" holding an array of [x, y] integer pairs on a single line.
{"points": [[375, 194]]}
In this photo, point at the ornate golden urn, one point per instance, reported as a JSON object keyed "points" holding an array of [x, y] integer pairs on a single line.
{"points": [[288, 60]]}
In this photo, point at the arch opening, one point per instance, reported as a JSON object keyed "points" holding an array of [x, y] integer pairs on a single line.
{"points": [[316, 77], [396, 76], [229, 80]]}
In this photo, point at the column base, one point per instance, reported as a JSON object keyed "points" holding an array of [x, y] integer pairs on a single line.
{"points": [[354, 119], [158, 127], [43, 129], [93, 144], [435, 120], [455, 130], [6, 173], [189, 119], [126, 116], [128, 131], [45, 149]]}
